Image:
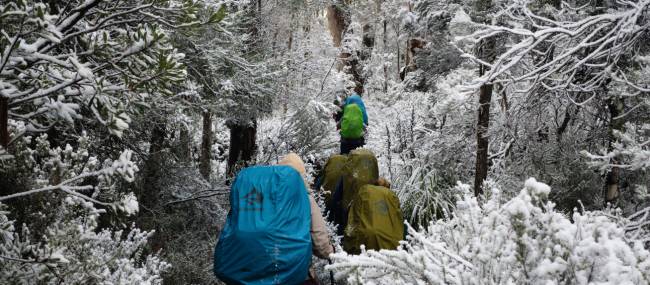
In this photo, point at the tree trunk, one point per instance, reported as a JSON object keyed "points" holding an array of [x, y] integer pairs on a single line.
{"points": [[337, 19], [385, 66], [487, 53], [409, 55], [206, 146], [565, 122], [483, 124], [184, 147], [4, 122], [368, 41], [153, 166], [399, 69], [242, 146], [482, 141], [616, 109], [336, 23]]}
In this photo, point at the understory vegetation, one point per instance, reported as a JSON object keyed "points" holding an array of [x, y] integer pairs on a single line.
{"points": [[515, 133]]}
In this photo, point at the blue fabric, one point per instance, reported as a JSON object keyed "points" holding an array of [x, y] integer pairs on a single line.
{"points": [[356, 99], [266, 239]]}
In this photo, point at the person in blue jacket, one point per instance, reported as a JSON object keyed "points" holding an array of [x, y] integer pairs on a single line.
{"points": [[349, 144]]}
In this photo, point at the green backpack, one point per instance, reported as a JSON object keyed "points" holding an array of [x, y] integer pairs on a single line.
{"points": [[374, 220], [332, 174], [361, 169], [352, 122]]}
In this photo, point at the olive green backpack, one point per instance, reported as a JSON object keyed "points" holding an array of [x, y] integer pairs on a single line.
{"points": [[374, 220], [332, 174], [361, 169]]}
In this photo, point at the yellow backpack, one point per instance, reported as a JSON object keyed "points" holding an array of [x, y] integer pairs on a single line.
{"points": [[374, 220]]}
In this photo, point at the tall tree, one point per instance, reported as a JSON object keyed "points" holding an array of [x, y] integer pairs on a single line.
{"points": [[486, 52], [205, 166]]}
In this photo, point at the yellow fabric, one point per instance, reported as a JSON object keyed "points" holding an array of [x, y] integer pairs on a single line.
{"points": [[360, 169], [332, 175], [375, 220]]}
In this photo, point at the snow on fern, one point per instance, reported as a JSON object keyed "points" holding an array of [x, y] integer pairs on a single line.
{"points": [[520, 241]]}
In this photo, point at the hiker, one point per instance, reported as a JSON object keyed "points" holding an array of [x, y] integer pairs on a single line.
{"points": [[273, 228], [320, 239], [359, 169], [374, 219], [329, 176], [352, 122]]}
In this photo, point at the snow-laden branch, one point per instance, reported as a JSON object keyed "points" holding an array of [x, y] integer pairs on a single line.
{"points": [[76, 55], [123, 167], [630, 151], [564, 54]]}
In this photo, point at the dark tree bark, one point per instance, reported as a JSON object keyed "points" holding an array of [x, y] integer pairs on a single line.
{"points": [[616, 108], [185, 147], [206, 146], [4, 122], [409, 55], [243, 146], [368, 41], [399, 68], [487, 53], [482, 141], [336, 23], [385, 67], [153, 166], [565, 122]]}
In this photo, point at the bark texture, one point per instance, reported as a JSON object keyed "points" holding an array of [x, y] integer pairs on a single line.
{"points": [[336, 23], [486, 53], [206, 146], [4, 122], [409, 56], [243, 146], [616, 109], [482, 140], [153, 167]]}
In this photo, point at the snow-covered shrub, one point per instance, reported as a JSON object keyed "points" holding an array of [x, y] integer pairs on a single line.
{"points": [[70, 170], [307, 131], [520, 241], [74, 251], [424, 196], [422, 141], [189, 216], [61, 200]]}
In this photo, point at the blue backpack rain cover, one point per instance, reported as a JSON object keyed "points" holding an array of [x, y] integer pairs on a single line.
{"points": [[266, 239]]}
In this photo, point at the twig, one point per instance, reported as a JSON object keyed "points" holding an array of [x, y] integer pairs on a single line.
{"points": [[322, 85], [197, 197]]}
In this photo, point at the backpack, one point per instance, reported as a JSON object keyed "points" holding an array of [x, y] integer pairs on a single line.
{"points": [[374, 220], [356, 99], [266, 239], [360, 169], [352, 122], [332, 173]]}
